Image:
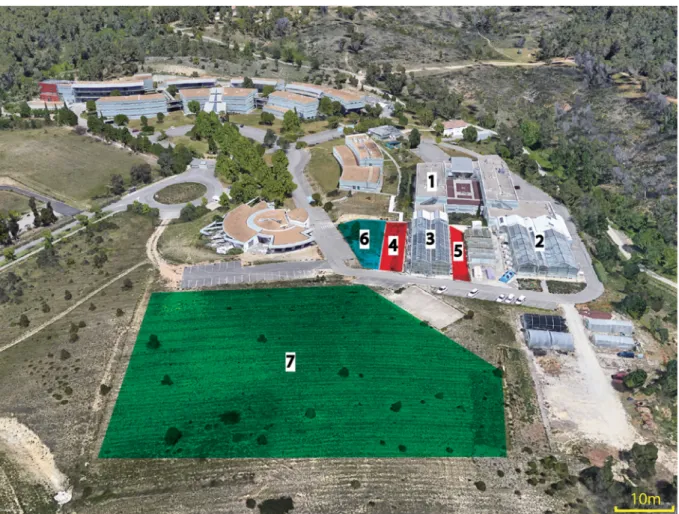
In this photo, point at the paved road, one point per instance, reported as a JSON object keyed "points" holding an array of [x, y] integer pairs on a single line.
{"points": [[252, 132], [233, 272], [146, 195], [182, 130], [59, 207], [322, 137]]}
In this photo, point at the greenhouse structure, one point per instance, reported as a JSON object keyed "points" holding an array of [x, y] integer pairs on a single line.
{"points": [[546, 340], [556, 261], [422, 259], [613, 342], [610, 326]]}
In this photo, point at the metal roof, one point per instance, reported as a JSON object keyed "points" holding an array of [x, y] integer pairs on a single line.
{"points": [[544, 322]]}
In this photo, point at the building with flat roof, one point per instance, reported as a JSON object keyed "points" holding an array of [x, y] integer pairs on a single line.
{"points": [[464, 195], [281, 102], [132, 106], [430, 191], [305, 89], [219, 99], [188, 82], [361, 161], [420, 259], [261, 225], [83, 91], [463, 167], [259, 83], [385, 133], [349, 101], [49, 91], [497, 186]]}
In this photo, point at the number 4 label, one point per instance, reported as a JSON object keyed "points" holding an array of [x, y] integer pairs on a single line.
{"points": [[458, 251], [392, 247], [290, 362], [364, 240], [539, 242]]}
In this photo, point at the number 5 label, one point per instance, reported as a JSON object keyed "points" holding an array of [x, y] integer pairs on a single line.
{"points": [[458, 251]]}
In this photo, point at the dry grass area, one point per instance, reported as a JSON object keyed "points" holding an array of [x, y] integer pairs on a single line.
{"points": [[182, 243], [364, 203], [59, 163], [10, 201], [323, 169], [172, 119]]}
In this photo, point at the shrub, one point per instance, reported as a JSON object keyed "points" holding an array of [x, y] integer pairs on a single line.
{"points": [[67, 295], [327, 207], [119, 312], [234, 251], [172, 436], [45, 308], [104, 389], [127, 284], [153, 342], [92, 307], [24, 321], [635, 379]]}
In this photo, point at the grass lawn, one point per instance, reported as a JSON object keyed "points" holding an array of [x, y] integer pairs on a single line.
{"points": [[390, 182], [121, 237], [173, 119], [253, 118], [558, 287], [10, 201], [542, 158], [323, 168], [217, 385], [456, 153], [180, 193], [365, 204], [201, 147], [486, 147], [59, 163], [182, 243]]}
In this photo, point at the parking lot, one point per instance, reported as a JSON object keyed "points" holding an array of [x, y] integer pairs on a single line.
{"points": [[232, 272]]}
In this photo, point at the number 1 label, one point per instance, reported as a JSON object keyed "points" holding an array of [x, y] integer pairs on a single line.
{"points": [[290, 362], [431, 181]]}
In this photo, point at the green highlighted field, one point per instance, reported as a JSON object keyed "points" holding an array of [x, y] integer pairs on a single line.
{"points": [[369, 258], [207, 378]]}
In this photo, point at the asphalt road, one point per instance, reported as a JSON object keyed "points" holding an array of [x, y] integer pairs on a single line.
{"points": [[59, 207], [321, 137]]}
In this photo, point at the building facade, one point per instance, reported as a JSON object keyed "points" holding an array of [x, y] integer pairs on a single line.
{"points": [[362, 163], [83, 91], [304, 89], [454, 128], [259, 83], [189, 83], [349, 101], [281, 102], [132, 106], [230, 99]]}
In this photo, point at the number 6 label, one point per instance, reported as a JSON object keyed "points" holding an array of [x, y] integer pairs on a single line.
{"points": [[364, 240]]}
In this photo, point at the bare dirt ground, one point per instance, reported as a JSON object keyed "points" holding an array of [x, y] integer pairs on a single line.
{"points": [[26, 448], [426, 306], [310, 253], [172, 274], [583, 405]]}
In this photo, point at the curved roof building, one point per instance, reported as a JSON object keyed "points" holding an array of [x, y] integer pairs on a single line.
{"points": [[276, 230]]}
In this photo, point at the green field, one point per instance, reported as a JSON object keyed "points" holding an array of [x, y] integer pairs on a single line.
{"points": [[59, 163], [371, 381], [180, 193], [323, 168], [10, 201]]}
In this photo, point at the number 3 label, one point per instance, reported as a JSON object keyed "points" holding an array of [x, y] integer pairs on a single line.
{"points": [[430, 240]]}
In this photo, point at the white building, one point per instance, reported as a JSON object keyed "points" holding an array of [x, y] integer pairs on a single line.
{"points": [[454, 128]]}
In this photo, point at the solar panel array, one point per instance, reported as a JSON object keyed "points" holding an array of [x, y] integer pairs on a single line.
{"points": [[543, 322]]}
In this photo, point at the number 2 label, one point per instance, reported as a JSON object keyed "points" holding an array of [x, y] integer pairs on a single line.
{"points": [[539, 242]]}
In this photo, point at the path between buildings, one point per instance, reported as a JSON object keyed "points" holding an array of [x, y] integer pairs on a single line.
{"points": [[59, 316], [170, 273]]}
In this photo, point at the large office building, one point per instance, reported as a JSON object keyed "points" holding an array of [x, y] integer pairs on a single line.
{"points": [[132, 106], [362, 163], [453, 184], [188, 83], [304, 89], [259, 83], [281, 102], [83, 91], [349, 101], [424, 259], [49, 89], [219, 99]]}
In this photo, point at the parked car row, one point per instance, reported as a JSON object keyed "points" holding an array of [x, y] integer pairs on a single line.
{"points": [[509, 299]]}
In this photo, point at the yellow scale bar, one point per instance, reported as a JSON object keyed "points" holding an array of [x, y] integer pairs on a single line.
{"points": [[616, 509]]}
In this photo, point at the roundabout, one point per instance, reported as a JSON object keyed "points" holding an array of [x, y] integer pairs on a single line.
{"points": [[180, 193]]}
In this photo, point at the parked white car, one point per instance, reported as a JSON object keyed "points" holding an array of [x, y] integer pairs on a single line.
{"points": [[472, 293], [520, 299], [500, 298], [442, 290], [509, 299]]}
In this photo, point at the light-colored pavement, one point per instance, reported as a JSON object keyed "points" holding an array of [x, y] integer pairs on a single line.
{"points": [[662, 279], [252, 132], [182, 130], [321, 137]]}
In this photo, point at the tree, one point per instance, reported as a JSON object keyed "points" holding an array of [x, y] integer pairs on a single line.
{"points": [[13, 223], [316, 198], [530, 133], [269, 138], [194, 106], [34, 209], [117, 184], [9, 254], [212, 146], [127, 284], [438, 128], [426, 117], [172, 90], [470, 134], [327, 207], [291, 122], [47, 216], [153, 342], [172, 436], [67, 295], [634, 305], [160, 117], [91, 105], [644, 457], [635, 379], [630, 270], [395, 83], [223, 199], [24, 110], [24, 321], [141, 173], [247, 83], [166, 162], [266, 118], [121, 119], [414, 138]]}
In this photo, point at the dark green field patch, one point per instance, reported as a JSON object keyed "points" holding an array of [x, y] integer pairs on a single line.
{"points": [[363, 367]]}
